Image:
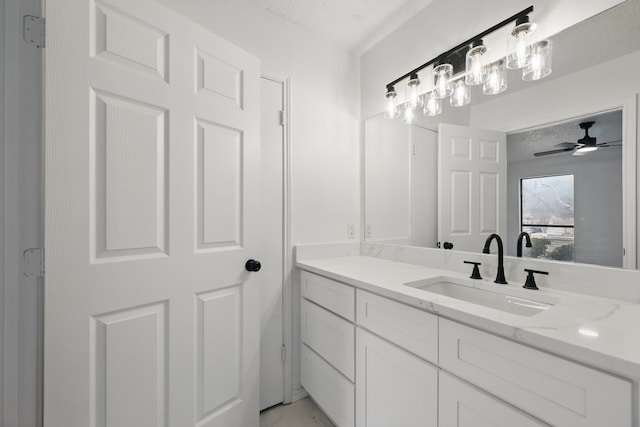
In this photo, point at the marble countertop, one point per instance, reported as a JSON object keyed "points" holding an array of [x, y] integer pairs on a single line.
{"points": [[596, 331]]}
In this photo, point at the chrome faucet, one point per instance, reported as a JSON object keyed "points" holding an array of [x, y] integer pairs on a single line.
{"points": [[519, 244], [500, 276]]}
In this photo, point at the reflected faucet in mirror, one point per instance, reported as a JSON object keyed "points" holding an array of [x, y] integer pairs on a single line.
{"points": [[500, 279], [519, 244]]}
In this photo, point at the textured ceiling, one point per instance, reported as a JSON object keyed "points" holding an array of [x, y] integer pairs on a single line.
{"points": [[607, 128], [348, 22]]}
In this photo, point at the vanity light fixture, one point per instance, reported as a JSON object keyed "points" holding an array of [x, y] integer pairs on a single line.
{"points": [[432, 104], [415, 100], [476, 67], [391, 109], [519, 42], [461, 94], [466, 65]]}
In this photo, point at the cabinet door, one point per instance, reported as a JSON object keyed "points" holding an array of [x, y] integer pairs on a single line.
{"points": [[462, 405], [394, 387], [331, 391]]}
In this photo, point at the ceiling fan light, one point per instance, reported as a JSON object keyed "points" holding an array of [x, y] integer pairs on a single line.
{"points": [[584, 150]]}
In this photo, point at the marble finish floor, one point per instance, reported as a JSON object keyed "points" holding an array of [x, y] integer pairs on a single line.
{"points": [[303, 413]]}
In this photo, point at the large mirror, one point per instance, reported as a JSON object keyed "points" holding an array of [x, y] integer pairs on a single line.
{"points": [[574, 205]]}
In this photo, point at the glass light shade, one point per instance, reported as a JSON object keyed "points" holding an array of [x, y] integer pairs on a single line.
{"points": [[496, 81], [409, 114], [475, 65], [390, 108], [518, 43], [414, 98], [540, 65], [442, 80], [432, 105], [461, 94]]}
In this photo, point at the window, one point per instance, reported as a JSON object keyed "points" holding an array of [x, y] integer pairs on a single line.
{"points": [[547, 215]]}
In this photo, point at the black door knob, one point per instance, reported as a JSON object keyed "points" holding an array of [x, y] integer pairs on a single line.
{"points": [[448, 245], [252, 265]]}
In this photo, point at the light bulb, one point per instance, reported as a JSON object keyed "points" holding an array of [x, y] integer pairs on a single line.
{"points": [[475, 59], [442, 79], [519, 41], [414, 96], [409, 114], [540, 65], [461, 94], [432, 105], [390, 108], [496, 81]]}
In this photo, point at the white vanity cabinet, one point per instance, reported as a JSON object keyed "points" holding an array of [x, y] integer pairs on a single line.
{"points": [[394, 387], [327, 359], [559, 392], [462, 405], [371, 361]]}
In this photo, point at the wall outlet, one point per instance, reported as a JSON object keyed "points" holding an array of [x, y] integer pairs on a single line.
{"points": [[368, 230], [351, 230]]}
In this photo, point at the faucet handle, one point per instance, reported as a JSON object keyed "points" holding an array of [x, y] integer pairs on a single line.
{"points": [[530, 283], [476, 271]]}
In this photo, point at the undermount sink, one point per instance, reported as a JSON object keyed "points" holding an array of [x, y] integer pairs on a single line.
{"points": [[501, 298]]}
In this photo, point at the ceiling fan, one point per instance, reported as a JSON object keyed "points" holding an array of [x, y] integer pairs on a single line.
{"points": [[580, 147]]}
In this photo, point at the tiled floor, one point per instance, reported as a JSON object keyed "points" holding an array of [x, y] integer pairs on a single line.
{"points": [[303, 413]]}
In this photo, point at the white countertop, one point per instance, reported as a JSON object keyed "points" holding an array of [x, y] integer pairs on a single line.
{"points": [[596, 331]]}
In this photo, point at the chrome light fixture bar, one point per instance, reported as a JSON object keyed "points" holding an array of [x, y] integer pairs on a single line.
{"points": [[524, 51]]}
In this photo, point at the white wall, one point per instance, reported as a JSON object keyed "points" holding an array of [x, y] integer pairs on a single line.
{"points": [[387, 180], [574, 95], [597, 202], [324, 111]]}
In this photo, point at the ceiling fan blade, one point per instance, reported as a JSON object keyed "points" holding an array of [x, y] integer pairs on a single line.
{"points": [[546, 153], [566, 144], [610, 144]]}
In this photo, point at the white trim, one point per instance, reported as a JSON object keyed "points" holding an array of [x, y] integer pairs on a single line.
{"points": [[3, 203], [287, 292], [298, 394], [630, 223], [287, 258], [11, 294]]}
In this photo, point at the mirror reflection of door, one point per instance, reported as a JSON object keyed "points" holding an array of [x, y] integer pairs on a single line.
{"points": [[472, 186]]}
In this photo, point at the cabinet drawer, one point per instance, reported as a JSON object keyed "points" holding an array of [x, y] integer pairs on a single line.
{"points": [[334, 296], [394, 388], [330, 336], [461, 405], [412, 329], [553, 389], [333, 392]]}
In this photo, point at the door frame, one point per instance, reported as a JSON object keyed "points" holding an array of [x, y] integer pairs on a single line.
{"points": [[629, 108], [287, 249], [10, 226]]}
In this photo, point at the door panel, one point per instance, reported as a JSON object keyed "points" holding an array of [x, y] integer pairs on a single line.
{"points": [[472, 186], [152, 165]]}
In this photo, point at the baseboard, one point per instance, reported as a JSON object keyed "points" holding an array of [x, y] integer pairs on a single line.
{"points": [[299, 393]]}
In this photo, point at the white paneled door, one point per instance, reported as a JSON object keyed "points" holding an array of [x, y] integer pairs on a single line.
{"points": [[472, 194], [152, 158]]}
